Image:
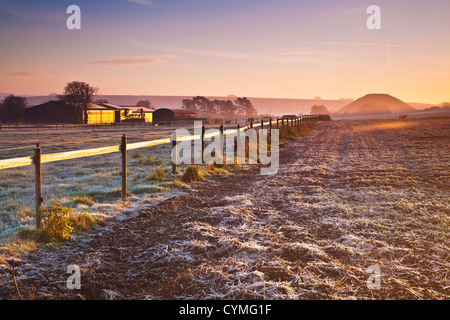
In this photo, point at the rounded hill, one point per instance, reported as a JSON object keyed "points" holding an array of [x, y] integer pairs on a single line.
{"points": [[376, 103]]}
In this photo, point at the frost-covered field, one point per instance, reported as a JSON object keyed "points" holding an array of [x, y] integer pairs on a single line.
{"points": [[86, 185], [356, 194], [348, 195]]}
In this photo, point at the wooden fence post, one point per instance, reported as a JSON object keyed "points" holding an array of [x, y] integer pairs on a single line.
{"points": [[203, 141], [270, 130], [175, 153], [222, 143], [123, 150], [38, 185], [238, 133]]}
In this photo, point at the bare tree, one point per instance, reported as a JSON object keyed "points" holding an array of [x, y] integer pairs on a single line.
{"points": [[79, 94]]}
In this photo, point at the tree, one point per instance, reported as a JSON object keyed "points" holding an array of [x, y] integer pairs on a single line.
{"points": [[315, 109], [218, 106], [79, 94], [144, 104], [245, 107], [188, 104], [225, 108], [204, 105], [13, 108], [230, 108], [198, 105]]}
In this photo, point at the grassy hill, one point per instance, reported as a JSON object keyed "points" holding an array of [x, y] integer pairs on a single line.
{"points": [[375, 103]]}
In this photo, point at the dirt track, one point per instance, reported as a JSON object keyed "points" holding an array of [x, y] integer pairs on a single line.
{"points": [[348, 195]]}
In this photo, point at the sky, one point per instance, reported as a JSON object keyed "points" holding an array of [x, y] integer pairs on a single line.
{"points": [[254, 48]]}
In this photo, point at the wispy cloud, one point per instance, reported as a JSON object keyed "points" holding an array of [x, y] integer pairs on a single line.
{"points": [[133, 60], [194, 52], [270, 57], [17, 73], [147, 3], [216, 53], [360, 44], [331, 43]]}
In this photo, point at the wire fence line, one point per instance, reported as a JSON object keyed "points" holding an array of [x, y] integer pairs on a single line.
{"points": [[38, 159], [78, 141], [47, 158]]}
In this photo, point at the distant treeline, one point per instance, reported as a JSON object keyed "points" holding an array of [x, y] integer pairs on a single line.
{"points": [[240, 107], [12, 109], [76, 94]]}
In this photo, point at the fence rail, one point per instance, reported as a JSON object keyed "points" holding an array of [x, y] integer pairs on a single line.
{"points": [[38, 159]]}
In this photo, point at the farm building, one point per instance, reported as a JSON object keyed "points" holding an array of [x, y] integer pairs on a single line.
{"points": [[109, 113], [163, 114], [50, 112], [98, 114], [103, 113], [134, 113]]}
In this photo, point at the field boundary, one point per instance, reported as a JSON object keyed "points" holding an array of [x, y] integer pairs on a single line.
{"points": [[38, 159]]}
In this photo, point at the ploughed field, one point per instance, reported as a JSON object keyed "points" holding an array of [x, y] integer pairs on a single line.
{"points": [[348, 195]]}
